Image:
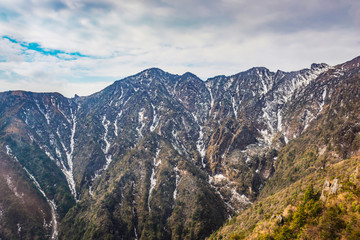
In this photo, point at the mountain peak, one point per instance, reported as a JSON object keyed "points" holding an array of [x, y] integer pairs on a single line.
{"points": [[258, 70], [319, 66], [189, 75], [151, 74], [152, 71]]}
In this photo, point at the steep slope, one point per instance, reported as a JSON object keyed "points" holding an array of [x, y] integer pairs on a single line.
{"points": [[160, 156], [145, 161], [326, 120], [24, 213], [28, 123]]}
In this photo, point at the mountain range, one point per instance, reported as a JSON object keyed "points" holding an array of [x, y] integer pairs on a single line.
{"points": [[164, 156]]}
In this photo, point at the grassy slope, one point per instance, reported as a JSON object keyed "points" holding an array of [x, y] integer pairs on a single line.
{"points": [[258, 221]]}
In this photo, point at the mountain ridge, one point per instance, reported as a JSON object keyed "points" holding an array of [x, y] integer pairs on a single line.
{"points": [[221, 138], [157, 69]]}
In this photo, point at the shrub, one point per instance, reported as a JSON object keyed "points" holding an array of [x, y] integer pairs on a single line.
{"points": [[234, 236], [331, 224]]}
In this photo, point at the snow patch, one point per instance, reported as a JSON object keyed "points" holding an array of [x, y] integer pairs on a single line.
{"points": [[51, 204], [279, 121], [176, 146], [91, 192], [200, 145], [68, 170], [229, 83], [152, 186], [234, 106], [267, 136], [9, 153], [286, 139], [156, 119], [177, 181], [116, 130], [18, 228], [141, 122], [212, 100], [268, 133], [321, 105], [272, 112], [1, 212], [153, 175], [46, 115], [108, 156], [13, 188], [106, 124], [308, 118]]}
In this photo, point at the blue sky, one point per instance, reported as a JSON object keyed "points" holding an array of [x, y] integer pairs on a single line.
{"points": [[81, 46]]}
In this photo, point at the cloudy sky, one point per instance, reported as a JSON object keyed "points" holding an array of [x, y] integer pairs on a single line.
{"points": [[80, 46]]}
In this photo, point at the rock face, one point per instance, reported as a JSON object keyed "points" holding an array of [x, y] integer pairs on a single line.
{"points": [[330, 188], [157, 155]]}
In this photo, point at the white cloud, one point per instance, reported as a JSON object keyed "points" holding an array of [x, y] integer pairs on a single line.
{"points": [[205, 37]]}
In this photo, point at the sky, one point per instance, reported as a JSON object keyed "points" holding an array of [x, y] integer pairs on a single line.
{"points": [[81, 46]]}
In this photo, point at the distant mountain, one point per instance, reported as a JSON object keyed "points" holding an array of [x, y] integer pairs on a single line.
{"points": [[156, 155]]}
